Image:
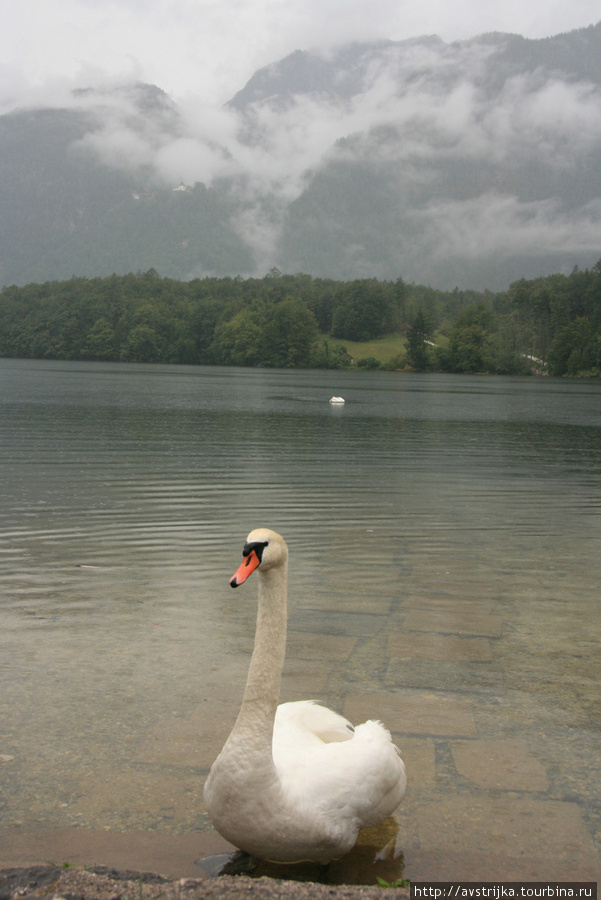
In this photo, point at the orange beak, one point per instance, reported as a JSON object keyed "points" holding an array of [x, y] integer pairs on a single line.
{"points": [[247, 567]]}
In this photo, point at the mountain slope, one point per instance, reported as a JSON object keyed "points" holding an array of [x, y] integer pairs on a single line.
{"points": [[471, 164], [68, 210], [474, 163]]}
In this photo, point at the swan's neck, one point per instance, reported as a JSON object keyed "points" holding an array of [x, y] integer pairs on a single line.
{"points": [[254, 725]]}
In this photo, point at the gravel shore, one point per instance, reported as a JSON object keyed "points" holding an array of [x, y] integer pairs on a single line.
{"points": [[100, 883]]}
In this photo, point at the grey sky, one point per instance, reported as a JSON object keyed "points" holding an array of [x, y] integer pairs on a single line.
{"points": [[207, 49]]}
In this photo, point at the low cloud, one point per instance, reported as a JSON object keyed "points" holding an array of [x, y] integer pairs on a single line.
{"points": [[495, 224], [425, 113], [432, 97]]}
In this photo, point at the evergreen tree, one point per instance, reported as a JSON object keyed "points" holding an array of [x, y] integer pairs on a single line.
{"points": [[417, 351]]}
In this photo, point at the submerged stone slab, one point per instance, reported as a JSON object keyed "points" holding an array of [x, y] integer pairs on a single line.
{"points": [[455, 866], [315, 621], [504, 765], [415, 712], [462, 604], [192, 741], [319, 646], [439, 647], [307, 676], [454, 678], [140, 800], [453, 621], [351, 600], [418, 756], [513, 826]]}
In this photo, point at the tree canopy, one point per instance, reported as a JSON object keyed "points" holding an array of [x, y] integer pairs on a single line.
{"points": [[551, 324]]}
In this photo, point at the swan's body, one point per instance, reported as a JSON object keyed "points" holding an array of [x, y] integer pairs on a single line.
{"points": [[296, 781]]}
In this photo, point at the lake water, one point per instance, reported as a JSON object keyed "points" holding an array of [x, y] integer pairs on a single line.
{"points": [[445, 546]]}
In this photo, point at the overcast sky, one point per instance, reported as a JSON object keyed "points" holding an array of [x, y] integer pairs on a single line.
{"points": [[209, 48]]}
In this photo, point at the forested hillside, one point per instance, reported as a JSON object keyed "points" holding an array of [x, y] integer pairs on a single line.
{"points": [[550, 324]]}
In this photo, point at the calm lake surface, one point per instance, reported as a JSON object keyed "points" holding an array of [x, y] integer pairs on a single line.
{"points": [[445, 571]]}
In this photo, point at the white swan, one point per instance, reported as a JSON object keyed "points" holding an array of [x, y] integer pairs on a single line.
{"points": [[297, 781]]}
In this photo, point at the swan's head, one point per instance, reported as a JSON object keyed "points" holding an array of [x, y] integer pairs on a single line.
{"points": [[263, 548]]}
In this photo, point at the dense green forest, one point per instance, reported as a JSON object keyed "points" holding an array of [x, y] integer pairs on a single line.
{"points": [[550, 324]]}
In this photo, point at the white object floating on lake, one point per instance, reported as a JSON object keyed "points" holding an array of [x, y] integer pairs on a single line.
{"points": [[336, 399]]}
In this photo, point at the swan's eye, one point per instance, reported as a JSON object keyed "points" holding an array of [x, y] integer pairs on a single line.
{"points": [[257, 546]]}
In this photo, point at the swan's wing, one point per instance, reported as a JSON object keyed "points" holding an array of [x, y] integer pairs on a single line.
{"points": [[361, 779], [308, 720], [373, 763]]}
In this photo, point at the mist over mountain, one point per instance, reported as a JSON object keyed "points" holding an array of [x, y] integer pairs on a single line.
{"points": [[473, 164]]}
